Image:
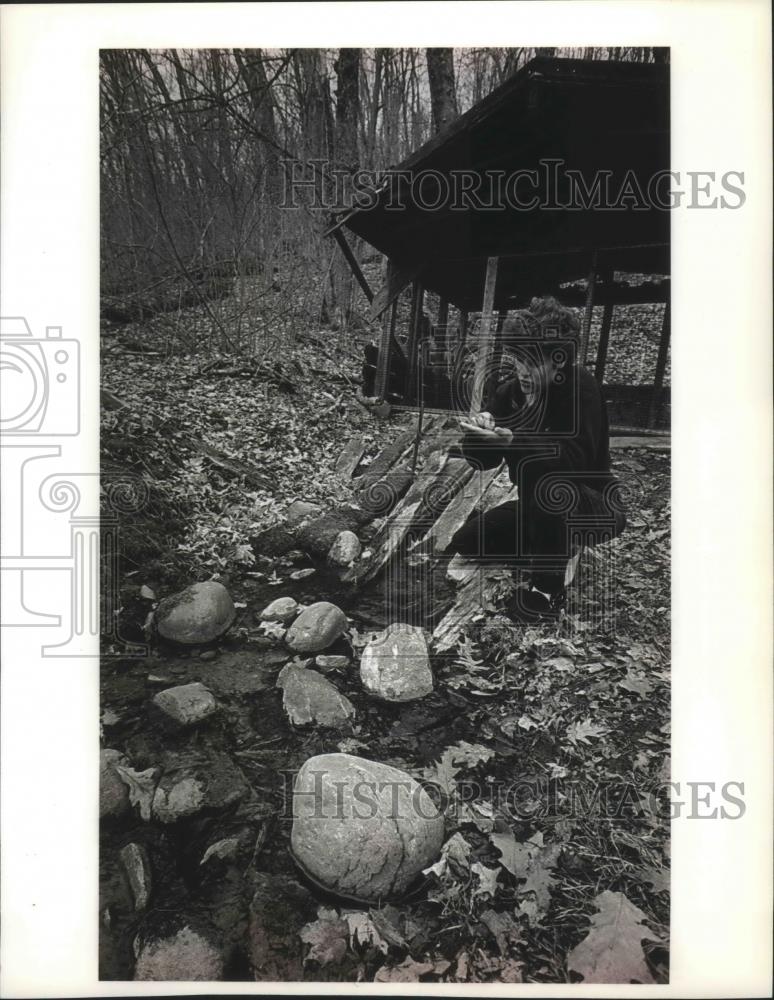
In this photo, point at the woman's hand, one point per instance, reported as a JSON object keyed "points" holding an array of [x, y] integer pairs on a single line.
{"points": [[483, 425]]}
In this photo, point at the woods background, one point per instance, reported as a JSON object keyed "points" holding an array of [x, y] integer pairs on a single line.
{"points": [[195, 149]]}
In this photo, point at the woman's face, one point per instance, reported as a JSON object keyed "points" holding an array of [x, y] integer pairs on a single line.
{"points": [[531, 377]]}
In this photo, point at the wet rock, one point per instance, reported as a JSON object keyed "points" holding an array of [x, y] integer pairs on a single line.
{"points": [[302, 574], [316, 628], [395, 666], [283, 610], [362, 829], [279, 910], [301, 510], [208, 654], [186, 704], [113, 793], [136, 864], [345, 550], [309, 697], [328, 663], [188, 788], [184, 956], [199, 613]]}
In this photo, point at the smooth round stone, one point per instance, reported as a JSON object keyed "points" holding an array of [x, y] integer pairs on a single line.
{"points": [[395, 666], [345, 550], [283, 610], [198, 614], [316, 628], [186, 704], [362, 829]]}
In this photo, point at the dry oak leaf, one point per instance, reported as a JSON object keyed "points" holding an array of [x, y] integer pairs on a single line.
{"points": [[327, 936], [409, 971], [612, 950]]}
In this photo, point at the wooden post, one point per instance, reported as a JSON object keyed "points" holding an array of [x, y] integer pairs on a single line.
{"points": [[663, 350], [441, 332], [586, 329], [417, 298], [604, 333], [485, 348], [352, 261], [385, 350]]}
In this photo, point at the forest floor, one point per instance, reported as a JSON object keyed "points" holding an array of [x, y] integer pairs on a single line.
{"points": [[550, 742]]}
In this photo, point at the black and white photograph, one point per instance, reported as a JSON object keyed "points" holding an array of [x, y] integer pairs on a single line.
{"points": [[385, 357], [374, 573]]}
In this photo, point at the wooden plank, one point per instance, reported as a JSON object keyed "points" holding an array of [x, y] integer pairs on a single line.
{"points": [[461, 507], [398, 278], [485, 347], [352, 261], [349, 459], [663, 350], [408, 514], [474, 598]]}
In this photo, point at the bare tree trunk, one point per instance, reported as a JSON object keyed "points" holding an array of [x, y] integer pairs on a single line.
{"points": [[347, 68], [443, 98]]}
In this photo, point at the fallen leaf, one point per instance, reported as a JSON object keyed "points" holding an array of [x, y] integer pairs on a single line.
{"points": [[503, 929], [515, 857], [659, 878], [637, 683], [363, 931], [580, 732], [457, 851], [327, 936], [141, 785], [612, 950], [386, 922], [221, 849], [408, 971], [487, 878]]}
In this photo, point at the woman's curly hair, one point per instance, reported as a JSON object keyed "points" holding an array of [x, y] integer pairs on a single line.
{"points": [[544, 317]]}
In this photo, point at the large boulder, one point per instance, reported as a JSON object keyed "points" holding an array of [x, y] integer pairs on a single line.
{"points": [[283, 610], [183, 957], [309, 697], [200, 613], [316, 628], [395, 666], [186, 704], [113, 793], [361, 829]]}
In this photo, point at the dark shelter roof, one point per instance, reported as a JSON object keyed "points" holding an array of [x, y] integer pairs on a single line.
{"points": [[608, 121]]}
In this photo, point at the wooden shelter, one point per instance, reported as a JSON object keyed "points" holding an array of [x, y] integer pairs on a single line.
{"points": [[560, 174]]}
